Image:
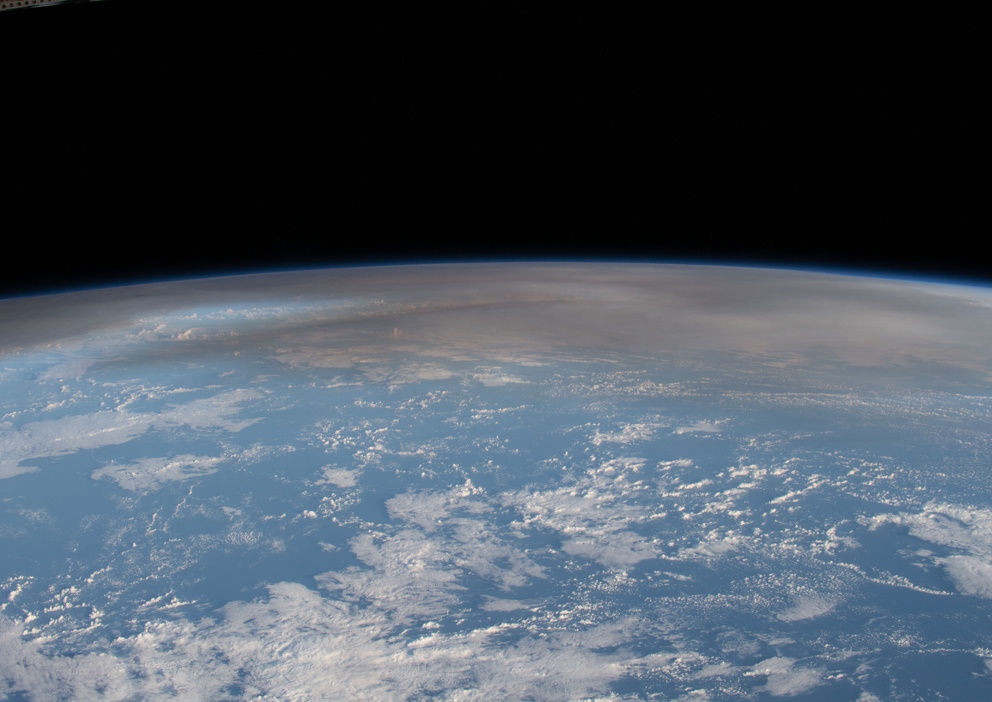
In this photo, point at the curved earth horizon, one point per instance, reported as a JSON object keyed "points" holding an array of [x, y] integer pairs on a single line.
{"points": [[548, 481]]}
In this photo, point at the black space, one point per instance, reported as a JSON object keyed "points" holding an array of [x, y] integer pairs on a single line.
{"points": [[151, 139]]}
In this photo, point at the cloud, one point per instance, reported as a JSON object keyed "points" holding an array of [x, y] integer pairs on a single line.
{"points": [[785, 678], [64, 436], [409, 575], [429, 508], [67, 435], [298, 645], [617, 549], [715, 545], [467, 534], [146, 474], [216, 412], [971, 575], [71, 367], [808, 607], [966, 530], [495, 378], [626, 434], [591, 515], [341, 477], [474, 311], [9, 468], [700, 427], [24, 668], [499, 604], [386, 371]]}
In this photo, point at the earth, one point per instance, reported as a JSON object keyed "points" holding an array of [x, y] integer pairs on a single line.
{"points": [[498, 481]]}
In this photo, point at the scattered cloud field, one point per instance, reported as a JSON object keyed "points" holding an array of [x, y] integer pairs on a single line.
{"points": [[328, 502]]}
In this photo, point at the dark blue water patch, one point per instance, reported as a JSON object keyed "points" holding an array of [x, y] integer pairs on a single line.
{"points": [[536, 590], [434, 693], [939, 675], [892, 548], [630, 687], [826, 691], [273, 480], [32, 554], [940, 621], [961, 626], [194, 524], [214, 581], [732, 688], [290, 467], [51, 502], [237, 690], [221, 577]]}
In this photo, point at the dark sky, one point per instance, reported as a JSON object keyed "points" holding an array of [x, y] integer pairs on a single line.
{"points": [[150, 139]]}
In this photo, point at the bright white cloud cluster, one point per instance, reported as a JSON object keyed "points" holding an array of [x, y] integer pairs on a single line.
{"points": [[591, 515], [71, 434], [785, 677], [627, 434], [297, 645], [967, 531], [146, 474], [808, 607], [355, 638]]}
